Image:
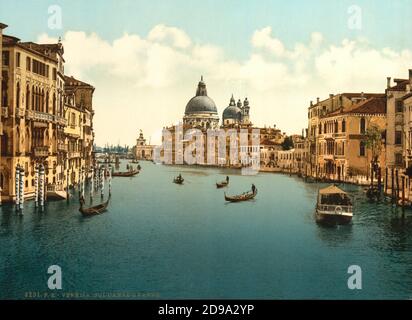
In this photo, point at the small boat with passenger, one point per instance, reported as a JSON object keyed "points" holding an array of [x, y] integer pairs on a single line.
{"points": [[244, 196], [223, 184], [179, 179]]}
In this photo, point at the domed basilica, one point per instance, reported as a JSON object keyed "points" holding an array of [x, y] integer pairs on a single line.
{"points": [[201, 112]]}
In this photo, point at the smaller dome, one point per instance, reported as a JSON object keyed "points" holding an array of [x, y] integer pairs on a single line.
{"points": [[232, 112]]}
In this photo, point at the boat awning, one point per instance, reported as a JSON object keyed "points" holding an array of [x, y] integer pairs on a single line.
{"points": [[332, 190]]}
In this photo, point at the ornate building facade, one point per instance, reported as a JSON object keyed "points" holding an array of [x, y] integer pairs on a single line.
{"points": [[34, 118]]}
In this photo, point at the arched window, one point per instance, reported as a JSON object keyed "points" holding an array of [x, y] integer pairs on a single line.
{"points": [[343, 125], [42, 101], [54, 104], [28, 97], [18, 95], [362, 125], [362, 149], [47, 102]]}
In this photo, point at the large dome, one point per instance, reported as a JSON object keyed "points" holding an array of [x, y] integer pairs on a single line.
{"points": [[201, 103]]}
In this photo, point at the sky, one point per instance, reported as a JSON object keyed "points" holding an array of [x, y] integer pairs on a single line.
{"points": [[145, 58]]}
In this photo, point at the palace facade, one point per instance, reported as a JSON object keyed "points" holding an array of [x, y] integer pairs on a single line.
{"points": [[37, 103]]}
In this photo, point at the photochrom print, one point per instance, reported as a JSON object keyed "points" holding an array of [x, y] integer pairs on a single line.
{"points": [[159, 150]]}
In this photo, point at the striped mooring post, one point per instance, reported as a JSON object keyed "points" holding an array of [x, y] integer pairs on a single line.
{"points": [[36, 185], [21, 191], [17, 186]]}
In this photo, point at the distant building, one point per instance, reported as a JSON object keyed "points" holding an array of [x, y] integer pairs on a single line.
{"points": [[143, 151]]}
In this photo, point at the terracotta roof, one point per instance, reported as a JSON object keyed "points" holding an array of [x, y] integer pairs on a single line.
{"points": [[370, 106], [71, 81], [374, 105], [400, 85]]}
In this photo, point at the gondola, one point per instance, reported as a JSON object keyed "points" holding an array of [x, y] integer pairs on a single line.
{"points": [[95, 210], [223, 183], [125, 174], [178, 180], [242, 197]]}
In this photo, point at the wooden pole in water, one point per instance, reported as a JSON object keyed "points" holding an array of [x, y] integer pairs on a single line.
{"points": [[36, 185], [21, 192], [403, 191], [386, 180], [379, 182], [371, 175], [397, 184], [393, 184], [17, 186]]}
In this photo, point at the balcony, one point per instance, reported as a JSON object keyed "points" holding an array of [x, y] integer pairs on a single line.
{"points": [[61, 121], [74, 154], [43, 116], [62, 147], [41, 152], [4, 112], [328, 157]]}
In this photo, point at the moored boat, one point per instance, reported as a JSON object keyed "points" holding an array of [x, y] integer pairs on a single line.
{"points": [[334, 206]]}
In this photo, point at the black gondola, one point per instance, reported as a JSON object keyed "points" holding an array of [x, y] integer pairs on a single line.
{"points": [[95, 210], [242, 197]]}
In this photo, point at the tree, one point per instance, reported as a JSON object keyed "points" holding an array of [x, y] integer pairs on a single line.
{"points": [[373, 142], [287, 144]]}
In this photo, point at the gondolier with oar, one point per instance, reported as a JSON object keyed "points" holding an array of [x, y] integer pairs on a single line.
{"points": [[253, 188]]}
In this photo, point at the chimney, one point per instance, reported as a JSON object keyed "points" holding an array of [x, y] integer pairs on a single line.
{"points": [[410, 76], [331, 100], [317, 100], [388, 81], [311, 103], [362, 96]]}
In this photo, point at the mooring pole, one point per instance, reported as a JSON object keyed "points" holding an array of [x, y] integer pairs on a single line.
{"points": [[403, 191], [36, 185], [397, 185], [21, 192], [41, 173], [17, 186], [386, 180]]}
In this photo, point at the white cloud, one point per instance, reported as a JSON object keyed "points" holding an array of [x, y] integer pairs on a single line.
{"points": [[177, 37], [145, 82]]}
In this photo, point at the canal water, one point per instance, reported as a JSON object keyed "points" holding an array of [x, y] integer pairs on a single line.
{"points": [[162, 240]]}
